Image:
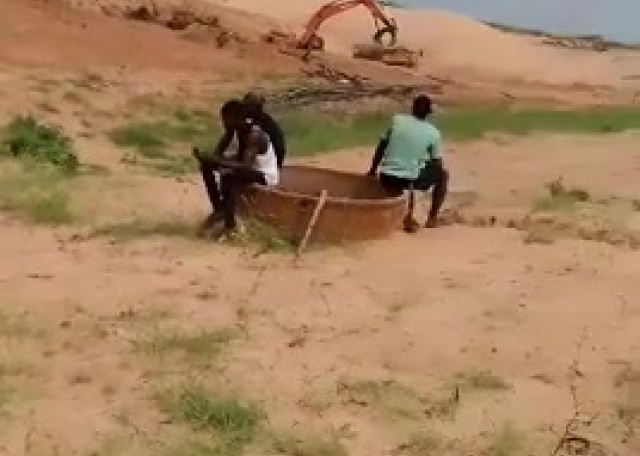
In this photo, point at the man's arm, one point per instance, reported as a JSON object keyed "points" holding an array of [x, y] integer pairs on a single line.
{"points": [[379, 154], [223, 143], [436, 150], [216, 158]]}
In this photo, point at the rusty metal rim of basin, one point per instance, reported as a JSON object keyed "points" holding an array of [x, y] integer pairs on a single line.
{"points": [[385, 201]]}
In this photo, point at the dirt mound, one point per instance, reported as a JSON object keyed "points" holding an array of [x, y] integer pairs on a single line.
{"points": [[452, 43], [50, 34]]}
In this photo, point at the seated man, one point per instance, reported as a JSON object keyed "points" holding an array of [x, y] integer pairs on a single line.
{"points": [[411, 157], [256, 162], [255, 111]]}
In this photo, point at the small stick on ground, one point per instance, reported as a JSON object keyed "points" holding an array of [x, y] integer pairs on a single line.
{"points": [[312, 222]]}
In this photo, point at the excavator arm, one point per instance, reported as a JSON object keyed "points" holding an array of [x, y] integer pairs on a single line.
{"points": [[384, 23]]}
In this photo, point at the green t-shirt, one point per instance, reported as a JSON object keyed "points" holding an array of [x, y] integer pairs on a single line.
{"points": [[412, 142]]}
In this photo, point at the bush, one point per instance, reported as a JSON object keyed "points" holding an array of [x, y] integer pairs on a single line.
{"points": [[25, 137]]}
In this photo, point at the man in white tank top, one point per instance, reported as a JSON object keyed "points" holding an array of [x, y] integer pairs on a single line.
{"points": [[256, 163]]}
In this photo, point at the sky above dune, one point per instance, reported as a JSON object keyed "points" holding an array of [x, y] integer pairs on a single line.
{"points": [[617, 19]]}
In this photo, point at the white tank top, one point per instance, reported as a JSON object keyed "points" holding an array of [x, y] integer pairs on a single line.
{"points": [[267, 164]]}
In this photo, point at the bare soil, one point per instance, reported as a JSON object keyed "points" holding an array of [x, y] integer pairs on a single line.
{"points": [[514, 331]]}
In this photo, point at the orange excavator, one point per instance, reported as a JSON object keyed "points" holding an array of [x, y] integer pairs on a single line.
{"points": [[384, 24]]}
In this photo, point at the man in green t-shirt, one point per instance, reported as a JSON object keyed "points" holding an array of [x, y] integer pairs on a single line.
{"points": [[410, 157]]}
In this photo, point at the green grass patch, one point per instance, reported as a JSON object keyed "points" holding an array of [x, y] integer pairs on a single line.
{"points": [[152, 139], [199, 344], [311, 133], [36, 194], [467, 124], [234, 423], [26, 137], [305, 444]]}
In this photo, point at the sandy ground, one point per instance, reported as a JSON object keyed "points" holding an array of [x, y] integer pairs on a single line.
{"points": [[483, 339], [457, 44]]}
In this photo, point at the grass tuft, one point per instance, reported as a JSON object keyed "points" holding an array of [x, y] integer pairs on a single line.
{"points": [[561, 198], [266, 238], [482, 380], [202, 344], [389, 397], [235, 423], [26, 137]]}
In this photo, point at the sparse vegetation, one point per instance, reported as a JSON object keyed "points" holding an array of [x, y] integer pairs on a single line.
{"points": [[34, 187], [140, 228], [482, 380], [422, 444], [508, 441], [6, 390], [197, 344], [25, 137], [395, 400], [152, 139], [316, 133], [266, 238], [37, 195], [17, 326], [74, 97], [561, 198], [312, 133], [235, 423], [303, 444]]}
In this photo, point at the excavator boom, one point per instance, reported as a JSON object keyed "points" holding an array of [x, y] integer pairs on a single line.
{"points": [[384, 23]]}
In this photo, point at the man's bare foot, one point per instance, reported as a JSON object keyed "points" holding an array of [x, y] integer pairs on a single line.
{"points": [[228, 235], [209, 224], [432, 222], [411, 225]]}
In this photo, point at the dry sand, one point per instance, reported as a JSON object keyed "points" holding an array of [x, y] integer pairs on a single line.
{"points": [[458, 44], [467, 340]]}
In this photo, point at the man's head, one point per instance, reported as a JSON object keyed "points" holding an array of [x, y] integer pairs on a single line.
{"points": [[422, 107], [254, 102], [233, 114]]}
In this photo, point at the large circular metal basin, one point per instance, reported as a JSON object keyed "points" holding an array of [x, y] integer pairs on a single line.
{"points": [[356, 208]]}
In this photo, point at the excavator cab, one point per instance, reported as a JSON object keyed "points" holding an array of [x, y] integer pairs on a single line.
{"points": [[388, 28]]}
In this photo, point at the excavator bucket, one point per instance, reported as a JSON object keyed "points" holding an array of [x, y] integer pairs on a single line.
{"points": [[392, 56]]}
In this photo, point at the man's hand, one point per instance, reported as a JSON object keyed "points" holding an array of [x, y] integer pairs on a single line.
{"points": [[198, 154]]}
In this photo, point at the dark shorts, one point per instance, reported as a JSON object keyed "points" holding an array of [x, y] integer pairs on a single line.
{"points": [[429, 176]]}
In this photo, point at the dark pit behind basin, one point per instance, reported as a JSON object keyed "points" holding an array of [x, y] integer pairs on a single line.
{"points": [[311, 181], [357, 208]]}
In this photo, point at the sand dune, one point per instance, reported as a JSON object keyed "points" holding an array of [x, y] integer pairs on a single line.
{"points": [[455, 43]]}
